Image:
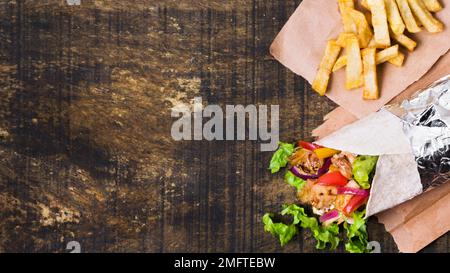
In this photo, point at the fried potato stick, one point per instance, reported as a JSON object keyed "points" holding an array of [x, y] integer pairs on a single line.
{"points": [[394, 17], [398, 60], [386, 55], [340, 63], [349, 25], [380, 23], [365, 4], [322, 78], [364, 31], [408, 17], [433, 5], [368, 17], [432, 24], [405, 41], [354, 68], [372, 43], [342, 39], [370, 89]]}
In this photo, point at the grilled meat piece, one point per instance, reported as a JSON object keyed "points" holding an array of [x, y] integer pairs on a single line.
{"points": [[323, 197], [306, 161], [343, 163], [319, 196], [305, 194]]}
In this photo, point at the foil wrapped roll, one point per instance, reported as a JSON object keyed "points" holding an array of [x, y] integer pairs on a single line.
{"points": [[426, 123]]}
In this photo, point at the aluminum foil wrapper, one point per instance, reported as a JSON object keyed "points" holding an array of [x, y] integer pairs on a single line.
{"points": [[426, 123]]}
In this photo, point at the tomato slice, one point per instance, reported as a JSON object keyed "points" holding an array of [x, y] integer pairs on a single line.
{"points": [[308, 145], [354, 203], [332, 179]]}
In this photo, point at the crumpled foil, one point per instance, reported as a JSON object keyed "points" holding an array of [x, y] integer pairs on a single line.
{"points": [[426, 120]]}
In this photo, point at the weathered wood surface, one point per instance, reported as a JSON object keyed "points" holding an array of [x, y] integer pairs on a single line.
{"points": [[86, 152]]}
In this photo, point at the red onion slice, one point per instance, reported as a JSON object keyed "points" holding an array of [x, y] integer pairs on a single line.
{"points": [[325, 167], [323, 170], [298, 173], [329, 215]]}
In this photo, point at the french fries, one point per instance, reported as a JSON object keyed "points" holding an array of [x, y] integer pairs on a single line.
{"points": [[370, 89], [387, 54], [383, 56], [408, 17], [432, 24], [372, 43], [379, 21], [346, 3], [417, 20], [433, 5], [367, 39], [354, 68], [394, 18], [365, 4], [342, 39], [320, 83], [398, 60], [349, 25], [405, 41], [363, 28], [368, 17], [340, 63], [393, 15]]}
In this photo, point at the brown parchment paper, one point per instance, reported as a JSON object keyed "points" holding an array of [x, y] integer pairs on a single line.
{"points": [[301, 43], [418, 222], [415, 223]]}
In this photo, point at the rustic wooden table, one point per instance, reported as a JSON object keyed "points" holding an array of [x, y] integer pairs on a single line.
{"points": [[85, 148]]}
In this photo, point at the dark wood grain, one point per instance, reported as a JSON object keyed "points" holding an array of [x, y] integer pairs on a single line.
{"points": [[85, 146]]}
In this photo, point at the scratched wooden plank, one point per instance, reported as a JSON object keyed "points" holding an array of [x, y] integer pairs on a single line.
{"points": [[85, 146]]}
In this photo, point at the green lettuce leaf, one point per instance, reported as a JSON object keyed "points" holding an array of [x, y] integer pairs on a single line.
{"points": [[323, 235], [357, 234], [284, 232], [327, 234], [362, 169], [294, 181], [281, 156]]}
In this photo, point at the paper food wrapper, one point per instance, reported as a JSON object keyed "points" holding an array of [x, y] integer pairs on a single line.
{"points": [[418, 222], [301, 43]]}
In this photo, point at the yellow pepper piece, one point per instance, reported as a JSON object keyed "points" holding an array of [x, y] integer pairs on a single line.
{"points": [[323, 153]]}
